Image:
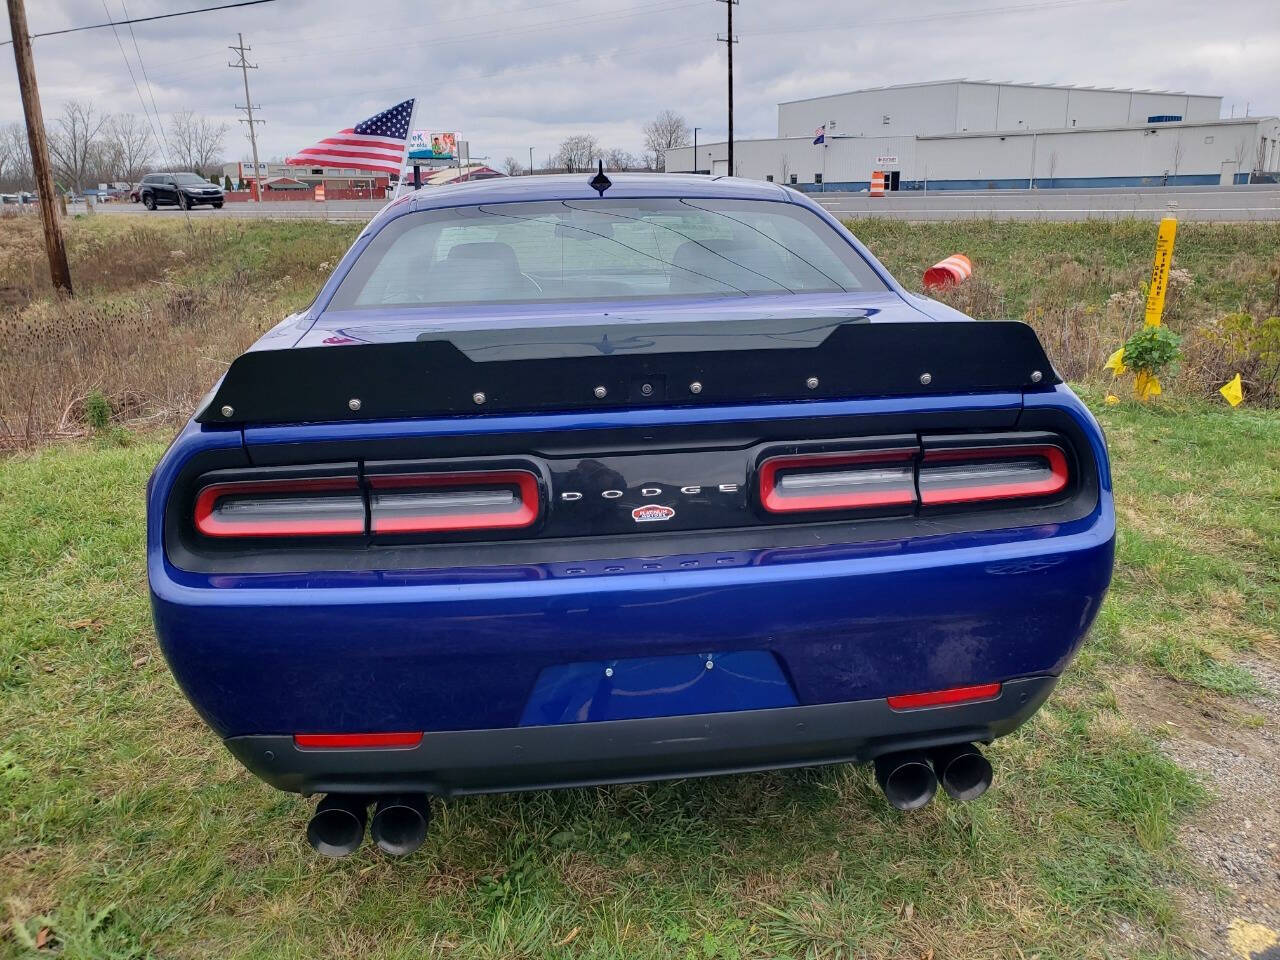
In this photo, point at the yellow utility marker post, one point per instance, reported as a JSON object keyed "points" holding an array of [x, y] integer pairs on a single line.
{"points": [[1146, 385], [1160, 271]]}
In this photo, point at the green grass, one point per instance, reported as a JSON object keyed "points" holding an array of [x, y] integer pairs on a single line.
{"points": [[125, 830]]}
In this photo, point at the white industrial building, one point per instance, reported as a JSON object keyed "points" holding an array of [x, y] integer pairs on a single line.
{"points": [[974, 135]]}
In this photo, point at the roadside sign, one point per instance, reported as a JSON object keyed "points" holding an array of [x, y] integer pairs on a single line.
{"points": [[1159, 285], [426, 145], [319, 192]]}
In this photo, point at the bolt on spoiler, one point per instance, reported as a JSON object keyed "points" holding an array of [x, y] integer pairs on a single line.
{"points": [[627, 365]]}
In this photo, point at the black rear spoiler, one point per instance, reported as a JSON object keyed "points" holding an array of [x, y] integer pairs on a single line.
{"points": [[537, 370]]}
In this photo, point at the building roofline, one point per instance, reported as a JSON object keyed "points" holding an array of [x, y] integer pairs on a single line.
{"points": [[1005, 83]]}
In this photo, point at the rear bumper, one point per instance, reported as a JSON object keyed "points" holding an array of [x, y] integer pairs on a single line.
{"points": [[616, 751]]}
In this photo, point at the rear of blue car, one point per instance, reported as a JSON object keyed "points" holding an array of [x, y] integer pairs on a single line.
{"points": [[506, 556]]}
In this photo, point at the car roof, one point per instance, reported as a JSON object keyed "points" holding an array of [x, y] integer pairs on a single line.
{"points": [[576, 186]]}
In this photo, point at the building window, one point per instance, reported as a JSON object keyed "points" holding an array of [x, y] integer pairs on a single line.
{"points": [[316, 171], [1208, 139], [768, 177], [817, 178], [793, 178], [886, 119]]}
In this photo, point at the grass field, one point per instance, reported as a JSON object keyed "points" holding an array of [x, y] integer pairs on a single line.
{"points": [[162, 306], [125, 830]]}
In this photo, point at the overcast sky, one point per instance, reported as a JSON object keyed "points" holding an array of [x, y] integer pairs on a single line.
{"points": [[514, 74]]}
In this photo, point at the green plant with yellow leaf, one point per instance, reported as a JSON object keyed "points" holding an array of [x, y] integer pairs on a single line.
{"points": [[1151, 351]]}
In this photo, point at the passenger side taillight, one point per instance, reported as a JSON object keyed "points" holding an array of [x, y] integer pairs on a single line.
{"points": [[295, 507], [436, 502], [972, 474], [853, 480]]}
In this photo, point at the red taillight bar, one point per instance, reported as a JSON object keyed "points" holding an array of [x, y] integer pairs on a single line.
{"points": [[343, 741], [1043, 486], [525, 514], [945, 698], [209, 523], [773, 500]]}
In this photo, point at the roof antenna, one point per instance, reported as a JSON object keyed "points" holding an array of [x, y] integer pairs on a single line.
{"points": [[600, 182]]}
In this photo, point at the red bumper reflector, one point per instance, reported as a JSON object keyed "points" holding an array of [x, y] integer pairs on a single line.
{"points": [[838, 481], [945, 698], [356, 740]]}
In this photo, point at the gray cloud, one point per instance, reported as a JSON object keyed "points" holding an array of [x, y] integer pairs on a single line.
{"points": [[509, 75]]}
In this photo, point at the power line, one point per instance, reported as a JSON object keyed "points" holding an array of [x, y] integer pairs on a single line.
{"points": [[158, 16]]}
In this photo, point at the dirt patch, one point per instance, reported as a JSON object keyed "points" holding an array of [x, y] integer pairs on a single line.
{"points": [[1234, 746]]}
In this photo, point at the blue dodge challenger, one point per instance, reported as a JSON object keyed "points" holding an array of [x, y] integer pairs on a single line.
{"points": [[571, 480]]}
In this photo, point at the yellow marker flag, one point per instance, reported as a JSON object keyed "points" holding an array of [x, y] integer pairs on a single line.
{"points": [[1233, 390], [1115, 363], [1160, 271], [1146, 386]]}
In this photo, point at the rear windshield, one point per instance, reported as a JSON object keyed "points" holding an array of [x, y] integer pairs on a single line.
{"points": [[602, 249]]}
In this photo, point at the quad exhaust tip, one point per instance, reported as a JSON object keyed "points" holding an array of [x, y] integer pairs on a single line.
{"points": [[400, 823], [911, 778], [336, 829], [398, 827], [906, 779], [965, 774]]}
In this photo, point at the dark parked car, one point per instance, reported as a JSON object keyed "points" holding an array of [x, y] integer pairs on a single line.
{"points": [[185, 190], [563, 481]]}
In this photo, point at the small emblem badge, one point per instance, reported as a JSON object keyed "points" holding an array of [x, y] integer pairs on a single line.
{"points": [[652, 511]]}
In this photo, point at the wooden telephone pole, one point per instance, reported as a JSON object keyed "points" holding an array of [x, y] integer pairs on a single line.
{"points": [[58, 269]]}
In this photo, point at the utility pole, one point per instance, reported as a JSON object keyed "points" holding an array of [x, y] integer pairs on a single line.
{"points": [[244, 66], [531, 161], [729, 40], [695, 148], [59, 272]]}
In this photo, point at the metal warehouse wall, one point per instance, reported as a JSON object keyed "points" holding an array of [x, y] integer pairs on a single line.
{"points": [[1172, 153], [960, 106]]}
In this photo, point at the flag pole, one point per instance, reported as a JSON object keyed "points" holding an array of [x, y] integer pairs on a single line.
{"points": [[404, 157]]}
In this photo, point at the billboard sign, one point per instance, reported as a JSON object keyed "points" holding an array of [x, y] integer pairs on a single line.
{"points": [[246, 171], [425, 145]]}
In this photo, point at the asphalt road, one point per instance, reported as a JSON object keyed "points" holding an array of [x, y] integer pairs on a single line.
{"points": [[1226, 204]]}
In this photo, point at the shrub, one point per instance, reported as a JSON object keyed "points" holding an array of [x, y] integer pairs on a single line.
{"points": [[97, 411], [1152, 350]]}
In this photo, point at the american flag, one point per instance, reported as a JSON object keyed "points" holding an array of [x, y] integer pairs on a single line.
{"points": [[373, 144]]}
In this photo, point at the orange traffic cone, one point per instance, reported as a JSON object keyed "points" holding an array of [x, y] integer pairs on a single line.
{"points": [[947, 273]]}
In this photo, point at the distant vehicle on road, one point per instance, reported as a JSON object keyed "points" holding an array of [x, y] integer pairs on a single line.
{"points": [[135, 193], [185, 190]]}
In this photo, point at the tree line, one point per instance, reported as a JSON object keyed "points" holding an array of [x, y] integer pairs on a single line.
{"points": [[88, 146], [582, 151]]}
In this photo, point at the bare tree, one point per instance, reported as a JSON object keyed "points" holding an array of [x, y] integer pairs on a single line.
{"points": [[1178, 150], [127, 147], [15, 158], [668, 129], [615, 159], [195, 141], [577, 152], [1241, 151], [511, 167], [75, 142], [784, 166]]}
